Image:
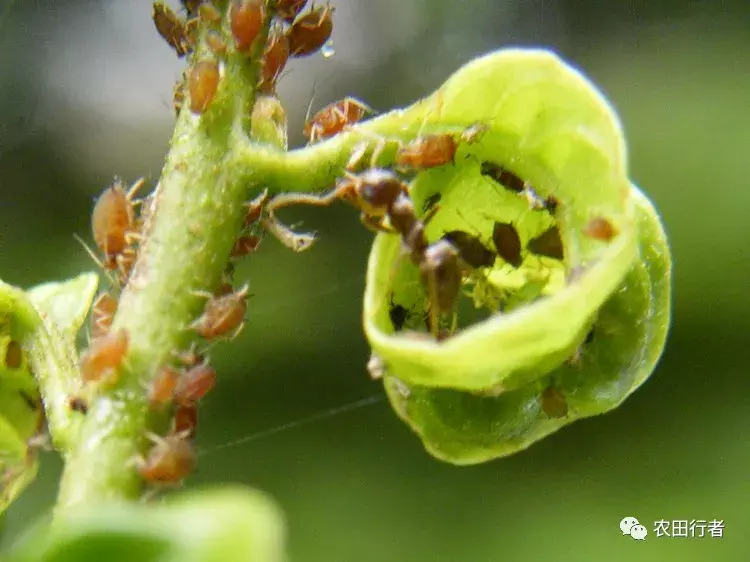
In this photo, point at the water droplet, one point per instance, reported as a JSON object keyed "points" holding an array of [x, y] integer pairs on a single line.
{"points": [[328, 50]]}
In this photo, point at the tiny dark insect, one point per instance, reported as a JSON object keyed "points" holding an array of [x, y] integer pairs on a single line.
{"points": [[599, 228], [246, 18], [554, 403], [548, 244], [427, 152], [398, 315], [169, 461], [288, 10], [172, 29], [77, 404], [311, 31], [13, 355], [470, 248], [203, 82], [508, 243], [504, 177], [431, 201]]}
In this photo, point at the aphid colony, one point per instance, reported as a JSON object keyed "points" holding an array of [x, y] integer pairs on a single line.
{"points": [[293, 32]]}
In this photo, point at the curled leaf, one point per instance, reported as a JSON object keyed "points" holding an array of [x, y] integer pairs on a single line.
{"points": [[516, 360]]}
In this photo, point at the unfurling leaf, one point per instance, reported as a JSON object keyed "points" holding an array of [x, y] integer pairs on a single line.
{"points": [[571, 316]]}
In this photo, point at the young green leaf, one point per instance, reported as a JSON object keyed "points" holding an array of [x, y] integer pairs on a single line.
{"points": [[231, 525]]}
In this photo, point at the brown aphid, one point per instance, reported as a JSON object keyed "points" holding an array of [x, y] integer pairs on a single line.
{"points": [[470, 248], [288, 10], [222, 315], [554, 403], [102, 314], [190, 357], [203, 82], [246, 18], [105, 354], [548, 244], [216, 43], [172, 29], [186, 420], [169, 461], [178, 94], [78, 404], [311, 31], [194, 384], [600, 228], [334, 118], [163, 387], [255, 208], [245, 245], [113, 220], [440, 273], [504, 177], [13, 355], [427, 152], [274, 59], [508, 243]]}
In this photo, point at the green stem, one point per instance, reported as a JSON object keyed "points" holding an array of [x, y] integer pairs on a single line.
{"points": [[197, 214]]}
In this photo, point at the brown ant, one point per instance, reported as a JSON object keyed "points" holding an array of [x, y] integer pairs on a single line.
{"points": [[203, 82], [246, 18], [105, 355], [600, 228], [169, 461], [222, 315], [172, 29], [548, 244], [508, 243], [311, 31], [334, 118]]}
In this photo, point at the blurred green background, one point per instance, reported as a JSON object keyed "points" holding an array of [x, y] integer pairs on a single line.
{"points": [[85, 93]]}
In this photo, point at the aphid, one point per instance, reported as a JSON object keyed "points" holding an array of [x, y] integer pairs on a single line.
{"points": [[169, 461], [431, 201], [113, 221], [440, 272], [470, 248], [194, 384], [245, 245], [600, 228], [554, 403], [13, 355], [255, 208], [102, 314], [105, 354], [224, 288], [548, 244], [178, 94], [202, 85], [216, 43], [163, 386], [398, 315], [334, 118], [427, 152], [288, 10], [507, 179], [311, 31], [274, 59], [172, 29], [78, 404], [375, 367], [186, 420], [246, 18], [222, 315], [207, 12], [508, 243]]}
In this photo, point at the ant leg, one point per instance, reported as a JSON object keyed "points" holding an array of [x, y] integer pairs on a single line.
{"points": [[375, 224], [290, 239], [289, 199]]}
